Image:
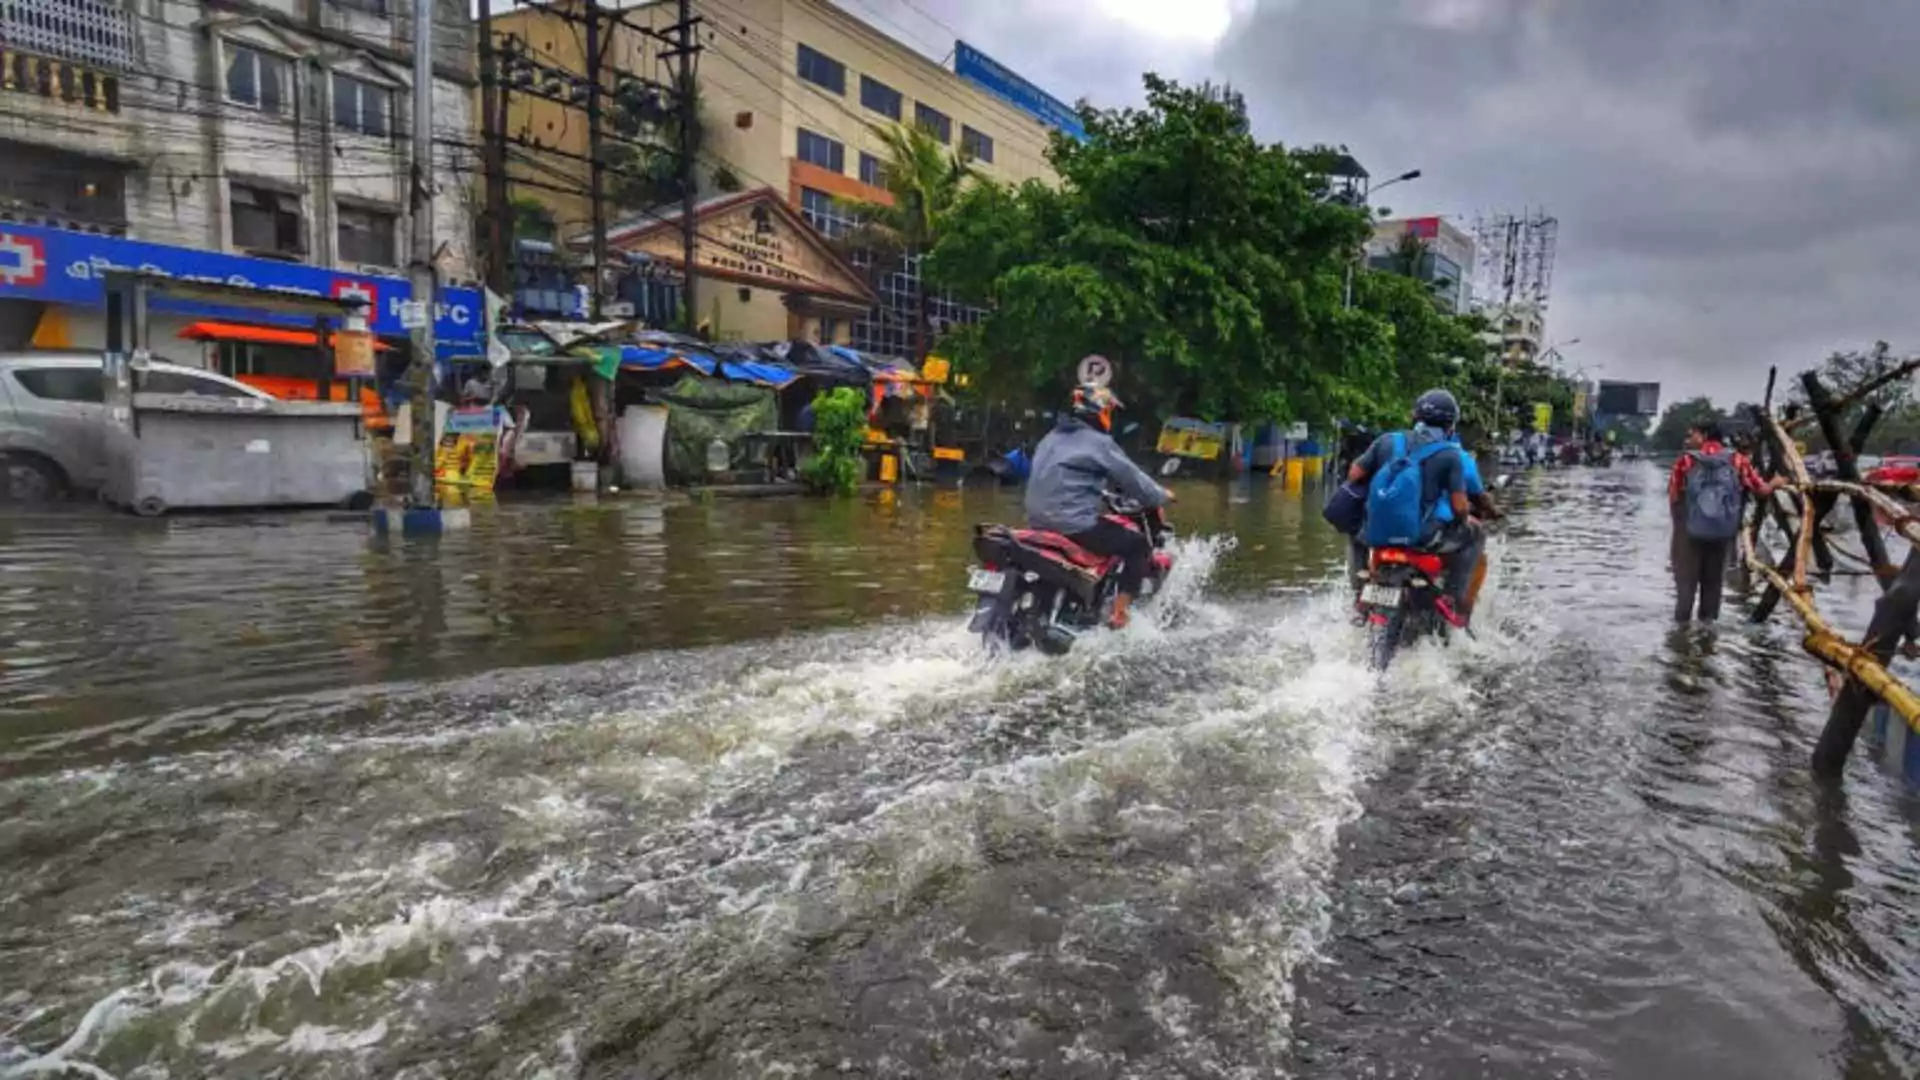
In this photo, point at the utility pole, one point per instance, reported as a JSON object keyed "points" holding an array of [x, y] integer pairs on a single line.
{"points": [[684, 51], [596, 157], [493, 136], [688, 167], [425, 294]]}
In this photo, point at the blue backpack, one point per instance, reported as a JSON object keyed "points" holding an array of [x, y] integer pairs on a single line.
{"points": [[1395, 517]]}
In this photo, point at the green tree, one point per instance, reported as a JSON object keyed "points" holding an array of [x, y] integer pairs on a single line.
{"points": [[1209, 267], [643, 154], [924, 182], [1670, 434], [839, 431]]}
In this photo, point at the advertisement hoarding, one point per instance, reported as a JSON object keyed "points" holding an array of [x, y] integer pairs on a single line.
{"points": [[1628, 399]]}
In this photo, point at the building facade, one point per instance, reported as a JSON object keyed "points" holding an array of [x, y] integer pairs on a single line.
{"points": [[271, 130], [791, 92], [1445, 259]]}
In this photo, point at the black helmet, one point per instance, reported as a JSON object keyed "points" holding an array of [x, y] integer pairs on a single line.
{"points": [[1437, 409]]}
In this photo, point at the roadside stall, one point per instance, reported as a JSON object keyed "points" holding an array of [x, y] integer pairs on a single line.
{"points": [[166, 451]]}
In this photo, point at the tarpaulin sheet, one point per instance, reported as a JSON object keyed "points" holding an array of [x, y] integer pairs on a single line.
{"points": [[700, 410], [648, 358], [760, 374]]}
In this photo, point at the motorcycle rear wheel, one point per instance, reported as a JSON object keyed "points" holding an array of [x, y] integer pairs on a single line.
{"points": [[1383, 642]]}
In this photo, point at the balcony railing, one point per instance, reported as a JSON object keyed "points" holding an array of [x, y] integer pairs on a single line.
{"points": [[60, 80], [92, 33]]}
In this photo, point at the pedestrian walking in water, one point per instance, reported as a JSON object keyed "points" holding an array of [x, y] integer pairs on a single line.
{"points": [[1705, 493]]}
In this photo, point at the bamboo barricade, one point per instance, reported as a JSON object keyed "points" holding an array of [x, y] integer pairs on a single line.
{"points": [[1859, 672]]}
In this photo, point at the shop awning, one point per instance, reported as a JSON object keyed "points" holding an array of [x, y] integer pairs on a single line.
{"points": [[259, 335]]}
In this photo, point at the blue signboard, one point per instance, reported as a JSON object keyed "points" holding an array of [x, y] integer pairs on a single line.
{"points": [[984, 71], [61, 267]]}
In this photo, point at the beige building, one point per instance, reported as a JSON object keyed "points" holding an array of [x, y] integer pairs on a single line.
{"points": [[791, 91]]}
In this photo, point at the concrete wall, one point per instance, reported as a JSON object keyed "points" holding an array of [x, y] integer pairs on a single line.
{"points": [[185, 143]]}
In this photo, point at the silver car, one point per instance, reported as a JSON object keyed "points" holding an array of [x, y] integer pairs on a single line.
{"points": [[53, 418]]}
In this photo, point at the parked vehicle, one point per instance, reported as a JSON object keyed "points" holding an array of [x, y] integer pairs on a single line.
{"points": [[53, 418], [1894, 469], [1039, 589]]}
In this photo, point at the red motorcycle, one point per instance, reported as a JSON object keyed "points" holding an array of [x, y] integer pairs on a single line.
{"points": [[1039, 589], [1398, 601]]}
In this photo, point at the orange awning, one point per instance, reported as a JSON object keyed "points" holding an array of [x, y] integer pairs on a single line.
{"points": [[261, 335]]}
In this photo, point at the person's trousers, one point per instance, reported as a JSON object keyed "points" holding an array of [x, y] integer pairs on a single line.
{"points": [[1460, 544], [1699, 569], [1112, 538]]}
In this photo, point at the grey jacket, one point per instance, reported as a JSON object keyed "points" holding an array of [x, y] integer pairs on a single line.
{"points": [[1074, 465]]}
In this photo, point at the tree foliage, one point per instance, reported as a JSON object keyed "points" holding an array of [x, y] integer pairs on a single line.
{"points": [[839, 431], [924, 182], [1209, 267], [1670, 434]]}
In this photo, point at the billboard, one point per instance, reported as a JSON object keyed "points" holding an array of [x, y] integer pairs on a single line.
{"points": [[1629, 399], [987, 73]]}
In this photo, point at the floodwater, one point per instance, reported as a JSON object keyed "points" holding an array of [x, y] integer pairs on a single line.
{"points": [[721, 789]]}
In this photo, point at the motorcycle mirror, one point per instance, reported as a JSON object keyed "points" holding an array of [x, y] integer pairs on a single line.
{"points": [[1170, 466]]}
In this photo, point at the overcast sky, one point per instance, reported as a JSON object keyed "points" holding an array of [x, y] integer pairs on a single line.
{"points": [[1735, 179]]}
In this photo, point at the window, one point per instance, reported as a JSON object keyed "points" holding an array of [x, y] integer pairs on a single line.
{"points": [[181, 382], [256, 79], [365, 236], [828, 217], [822, 70], [62, 383], [976, 145], [933, 120], [361, 106], [880, 97], [267, 222], [817, 149], [872, 170], [371, 7]]}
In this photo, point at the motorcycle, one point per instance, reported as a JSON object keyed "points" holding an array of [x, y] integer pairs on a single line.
{"points": [[1398, 601], [1400, 596], [1038, 589]]}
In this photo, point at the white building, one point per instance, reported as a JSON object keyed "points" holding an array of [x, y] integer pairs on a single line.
{"points": [[1446, 260], [274, 129]]}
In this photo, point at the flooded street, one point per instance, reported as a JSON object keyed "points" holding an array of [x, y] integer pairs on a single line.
{"points": [[723, 790]]}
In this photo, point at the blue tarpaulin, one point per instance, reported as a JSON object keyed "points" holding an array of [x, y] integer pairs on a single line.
{"points": [[757, 372]]}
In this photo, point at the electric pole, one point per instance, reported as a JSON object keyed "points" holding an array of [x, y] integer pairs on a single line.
{"points": [[686, 49], [425, 294], [596, 158], [493, 136]]}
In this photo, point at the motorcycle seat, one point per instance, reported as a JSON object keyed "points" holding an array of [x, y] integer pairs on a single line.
{"points": [[1059, 544]]}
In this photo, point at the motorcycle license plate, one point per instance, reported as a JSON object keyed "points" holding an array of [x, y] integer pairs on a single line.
{"points": [[986, 581], [1385, 596]]}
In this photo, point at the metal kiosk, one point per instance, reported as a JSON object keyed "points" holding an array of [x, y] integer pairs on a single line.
{"points": [[169, 451]]}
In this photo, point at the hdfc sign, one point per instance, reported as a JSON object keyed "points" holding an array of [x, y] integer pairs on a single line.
{"points": [[23, 261]]}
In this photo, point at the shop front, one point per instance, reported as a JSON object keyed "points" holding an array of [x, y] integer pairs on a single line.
{"points": [[53, 296]]}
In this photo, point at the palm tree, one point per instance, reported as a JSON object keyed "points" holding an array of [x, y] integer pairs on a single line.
{"points": [[924, 180]]}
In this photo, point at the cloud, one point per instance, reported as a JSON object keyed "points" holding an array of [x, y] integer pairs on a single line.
{"points": [[1732, 179]]}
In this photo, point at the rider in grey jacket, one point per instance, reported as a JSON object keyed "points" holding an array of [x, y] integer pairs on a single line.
{"points": [[1072, 469]]}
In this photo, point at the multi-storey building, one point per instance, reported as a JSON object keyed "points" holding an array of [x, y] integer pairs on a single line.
{"points": [[185, 134], [1445, 257], [791, 93]]}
